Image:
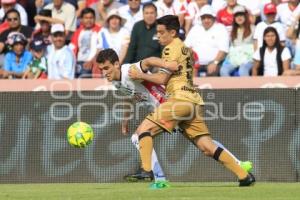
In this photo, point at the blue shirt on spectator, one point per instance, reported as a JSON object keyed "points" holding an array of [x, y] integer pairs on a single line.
{"points": [[11, 65]]}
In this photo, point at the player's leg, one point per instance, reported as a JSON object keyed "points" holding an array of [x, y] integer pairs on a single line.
{"points": [[197, 131], [155, 165], [246, 165], [149, 127]]}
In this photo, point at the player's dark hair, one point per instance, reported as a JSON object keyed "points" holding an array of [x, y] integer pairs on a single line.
{"points": [[107, 55], [87, 11], [171, 22], [149, 5]]}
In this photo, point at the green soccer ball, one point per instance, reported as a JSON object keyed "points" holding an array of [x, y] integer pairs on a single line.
{"points": [[80, 134]]}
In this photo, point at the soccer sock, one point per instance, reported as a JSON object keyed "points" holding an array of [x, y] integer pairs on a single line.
{"points": [[225, 149], [146, 147], [228, 161], [156, 168]]}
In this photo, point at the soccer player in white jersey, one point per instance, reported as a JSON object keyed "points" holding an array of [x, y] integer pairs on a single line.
{"points": [[141, 92]]}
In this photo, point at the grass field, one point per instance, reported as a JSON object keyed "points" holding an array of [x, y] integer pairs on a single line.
{"points": [[140, 191]]}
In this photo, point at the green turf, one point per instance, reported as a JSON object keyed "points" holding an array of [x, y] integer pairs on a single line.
{"points": [[141, 191]]}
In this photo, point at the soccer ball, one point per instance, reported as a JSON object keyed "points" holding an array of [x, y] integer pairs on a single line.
{"points": [[80, 134]]}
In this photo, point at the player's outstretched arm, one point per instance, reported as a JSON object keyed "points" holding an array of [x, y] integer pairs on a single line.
{"points": [[158, 62]]}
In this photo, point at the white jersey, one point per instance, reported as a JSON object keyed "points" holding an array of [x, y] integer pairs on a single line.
{"points": [[141, 91]]}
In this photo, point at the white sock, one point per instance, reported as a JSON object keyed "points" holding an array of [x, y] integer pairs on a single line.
{"points": [[222, 146]]}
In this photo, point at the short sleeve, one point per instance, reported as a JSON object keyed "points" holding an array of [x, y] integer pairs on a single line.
{"points": [[256, 55], [170, 53], [285, 55]]}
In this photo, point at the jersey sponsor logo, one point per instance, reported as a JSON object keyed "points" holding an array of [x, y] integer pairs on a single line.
{"points": [[188, 89]]}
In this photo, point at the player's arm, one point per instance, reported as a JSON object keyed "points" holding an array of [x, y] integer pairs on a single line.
{"points": [[161, 78], [127, 112], [158, 62]]}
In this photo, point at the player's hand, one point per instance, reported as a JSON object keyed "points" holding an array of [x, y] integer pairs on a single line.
{"points": [[134, 73], [125, 127]]}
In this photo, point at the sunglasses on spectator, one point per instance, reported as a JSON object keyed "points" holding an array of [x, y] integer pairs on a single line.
{"points": [[12, 19]]}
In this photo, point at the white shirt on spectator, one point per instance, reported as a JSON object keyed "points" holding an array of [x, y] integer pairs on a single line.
{"points": [[218, 5], [87, 45], [285, 15], [193, 13], [113, 40], [131, 19], [207, 43], [21, 10], [260, 28], [254, 6], [66, 13], [270, 60], [178, 7], [61, 63]]}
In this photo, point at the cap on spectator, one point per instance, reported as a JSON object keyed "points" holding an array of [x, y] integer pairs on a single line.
{"points": [[239, 9], [46, 13], [8, 1], [270, 8], [37, 44], [115, 13], [16, 37], [207, 10], [57, 28]]}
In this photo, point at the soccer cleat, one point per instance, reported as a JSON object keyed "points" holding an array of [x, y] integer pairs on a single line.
{"points": [[247, 166], [140, 175], [159, 185], [248, 181]]}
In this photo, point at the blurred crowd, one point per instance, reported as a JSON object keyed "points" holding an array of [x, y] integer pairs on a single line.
{"points": [[59, 39]]}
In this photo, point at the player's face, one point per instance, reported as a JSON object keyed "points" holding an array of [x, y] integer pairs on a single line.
{"points": [[165, 36], [109, 70]]}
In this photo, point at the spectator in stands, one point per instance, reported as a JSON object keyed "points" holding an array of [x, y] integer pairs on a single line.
{"points": [[270, 12], [132, 13], [143, 40], [217, 5], [7, 5], [102, 8], [84, 41], [172, 7], [13, 19], [294, 36], [45, 26], [17, 59], [272, 59], [212, 46], [285, 12], [65, 12], [192, 15], [61, 60], [114, 35], [225, 15], [37, 68], [239, 58]]}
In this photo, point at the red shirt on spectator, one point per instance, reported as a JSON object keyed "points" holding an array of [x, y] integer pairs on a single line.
{"points": [[224, 17], [90, 2]]}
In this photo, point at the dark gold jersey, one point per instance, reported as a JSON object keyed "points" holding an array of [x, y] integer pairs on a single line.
{"points": [[180, 85]]}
